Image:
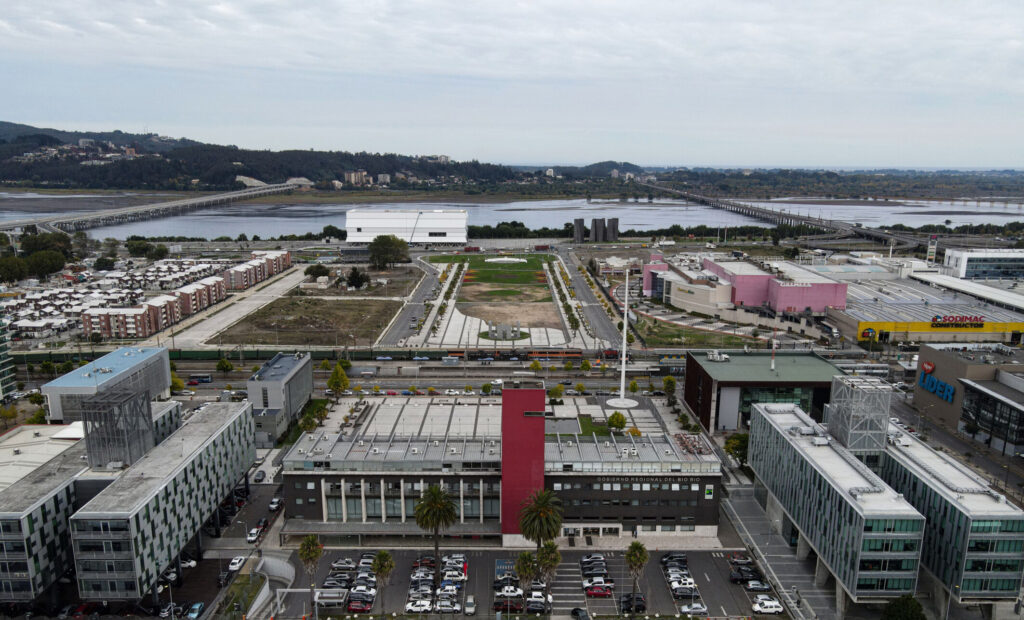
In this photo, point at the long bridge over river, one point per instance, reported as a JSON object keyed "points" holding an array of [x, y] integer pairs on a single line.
{"points": [[73, 222]]}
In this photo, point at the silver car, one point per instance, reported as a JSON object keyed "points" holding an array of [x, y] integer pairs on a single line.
{"points": [[470, 608]]}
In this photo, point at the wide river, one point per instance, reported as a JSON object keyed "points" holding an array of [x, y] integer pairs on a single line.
{"points": [[271, 220]]}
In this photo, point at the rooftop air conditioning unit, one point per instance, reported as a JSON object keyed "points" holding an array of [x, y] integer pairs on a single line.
{"points": [[17, 451], [360, 443], [415, 450], [437, 443], [375, 451], [607, 444], [632, 452], [301, 451], [569, 443], [455, 450]]}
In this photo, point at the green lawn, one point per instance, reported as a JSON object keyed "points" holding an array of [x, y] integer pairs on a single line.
{"points": [[242, 591], [588, 426], [486, 335], [660, 333], [479, 270]]}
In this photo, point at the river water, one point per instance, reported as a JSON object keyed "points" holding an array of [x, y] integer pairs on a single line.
{"points": [[271, 220]]}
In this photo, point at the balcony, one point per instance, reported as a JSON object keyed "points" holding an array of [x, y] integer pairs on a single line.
{"points": [[84, 535]]}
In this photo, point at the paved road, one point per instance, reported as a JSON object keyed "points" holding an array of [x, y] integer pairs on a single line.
{"points": [[413, 307], [599, 320]]}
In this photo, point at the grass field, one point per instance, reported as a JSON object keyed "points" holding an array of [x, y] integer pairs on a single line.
{"points": [[660, 333], [479, 270], [312, 321]]}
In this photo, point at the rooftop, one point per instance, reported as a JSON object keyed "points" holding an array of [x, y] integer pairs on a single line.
{"points": [[855, 482], [979, 352], [956, 483], [999, 390], [40, 482], [149, 474], [1004, 296], [740, 267], [802, 275], [905, 300], [755, 367], [280, 367], [25, 448], [107, 368]]}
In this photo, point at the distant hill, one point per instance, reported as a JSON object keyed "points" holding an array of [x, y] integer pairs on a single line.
{"points": [[600, 169], [143, 142]]}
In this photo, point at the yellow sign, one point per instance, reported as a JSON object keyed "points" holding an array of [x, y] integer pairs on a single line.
{"points": [[868, 330]]}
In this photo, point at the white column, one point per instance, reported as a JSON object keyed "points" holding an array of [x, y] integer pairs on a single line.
{"points": [[625, 330], [323, 498], [481, 500], [344, 503], [401, 491], [462, 501], [383, 503], [362, 496]]}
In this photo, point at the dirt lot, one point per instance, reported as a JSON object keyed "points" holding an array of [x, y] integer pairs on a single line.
{"points": [[528, 315], [478, 292], [401, 282], [316, 321]]}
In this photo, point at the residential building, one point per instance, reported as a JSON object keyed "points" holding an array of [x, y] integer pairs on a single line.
{"points": [[279, 390], [863, 533], [721, 387], [133, 369], [135, 528]]}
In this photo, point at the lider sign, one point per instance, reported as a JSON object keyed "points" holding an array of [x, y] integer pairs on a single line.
{"points": [[933, 384]]}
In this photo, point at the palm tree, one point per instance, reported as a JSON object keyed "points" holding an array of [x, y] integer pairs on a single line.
{"points": [[636, 561], [310, 552], [434, 512], [526, 568], [383, 565], [548, 559], [540, 518]]}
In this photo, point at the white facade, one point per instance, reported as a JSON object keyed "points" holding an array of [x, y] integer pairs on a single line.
{"points": [[410, 225], [984, 263]]}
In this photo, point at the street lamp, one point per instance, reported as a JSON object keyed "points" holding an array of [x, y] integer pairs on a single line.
{"points": [[949, 600]]}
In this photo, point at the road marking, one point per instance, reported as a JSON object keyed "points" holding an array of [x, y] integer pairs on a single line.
{"points": [[706, 577], [725, 615]]}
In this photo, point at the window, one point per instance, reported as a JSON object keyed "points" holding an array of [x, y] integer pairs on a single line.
{"points": [[310, 486], [437, 234]]}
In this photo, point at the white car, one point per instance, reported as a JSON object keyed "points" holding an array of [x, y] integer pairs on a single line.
{"points": [[593, 557], [447, 591], [236, 563], [451, 392], [469, 393], [767, 607], [367, 590], [596, 581], [188, 563], [694, 609], [509, 592], [683, 582], [448, 607], [418, 607], [454, 575], [497, 382], [343, 563], [254, 535]]}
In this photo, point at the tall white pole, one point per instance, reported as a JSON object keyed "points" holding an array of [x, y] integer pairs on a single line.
{"points": [[625, 329]]}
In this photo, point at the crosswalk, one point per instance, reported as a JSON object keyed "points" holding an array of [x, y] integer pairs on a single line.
{"points": [[565, 590]]}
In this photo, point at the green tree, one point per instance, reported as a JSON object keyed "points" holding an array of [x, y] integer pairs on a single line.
{"points": [[39, 417], [568, 365], [137, 247], [356, 278], [95, 337], [110, 246], [604, 368], [157, 252], [669, 384], [255, 369], [636, 560], [580, 388], [103, 264], [44, 262], [177, 384], [630, 338], [585, 366], [325, 365], [67, 367], [434, 512], [633, 387], [617, 421], [224, 366], [386, 250], [310, 552], [634, 431], [485, 388], [556, 391], [320, 413], [12, 269], [540, 517], [548, 560], [48, 368], [317, 271], [736, 447], [338, 382], [535, 366], [905, 607], [307, 424], [9, 414], [345, 365], [383, 565], [525, 567], [36, 399], [80, 244]]}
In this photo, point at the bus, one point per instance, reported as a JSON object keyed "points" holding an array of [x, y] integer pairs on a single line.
{"points": [[201, 378]]}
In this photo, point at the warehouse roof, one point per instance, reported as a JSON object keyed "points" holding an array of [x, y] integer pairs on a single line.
{"points": [[25, 448], [755, 367], [906, 300], [107, 368], [985, 292]]}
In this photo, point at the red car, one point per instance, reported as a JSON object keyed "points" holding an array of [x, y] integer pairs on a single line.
{"points": [[358, 607], [193, 382], [508, 605], [599, 592]]}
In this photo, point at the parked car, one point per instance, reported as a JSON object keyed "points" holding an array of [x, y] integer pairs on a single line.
{"points": [[592, 557], [598, 581], [740, 559], [260, 476], [171, 608], [447, 607], [254, 535], [418, 607], [767, 607], [223, 578], [345, 563], [694, 609], [196, 610], [632, 603], [359, 607], [508, 605], [673, 556], [598, 591], [236, 563], [508, 592], [470, 607], [758, 586], [578, 613]]}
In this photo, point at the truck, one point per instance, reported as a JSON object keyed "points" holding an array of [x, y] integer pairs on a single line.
{"points": [[471, 248], [541, 248]]}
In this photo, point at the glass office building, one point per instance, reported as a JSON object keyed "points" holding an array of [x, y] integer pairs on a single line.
{"points": [[867, 535]]}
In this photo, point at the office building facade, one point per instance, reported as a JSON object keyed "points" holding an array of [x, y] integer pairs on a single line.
{"points": [[7, 379], [279, 390], [984, 264]]}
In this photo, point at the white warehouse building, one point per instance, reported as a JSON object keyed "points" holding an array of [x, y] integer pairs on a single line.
{"points": [[411, 225]]}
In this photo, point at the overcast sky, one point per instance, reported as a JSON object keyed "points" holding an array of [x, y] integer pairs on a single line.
{"points": [[680, 82]]}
